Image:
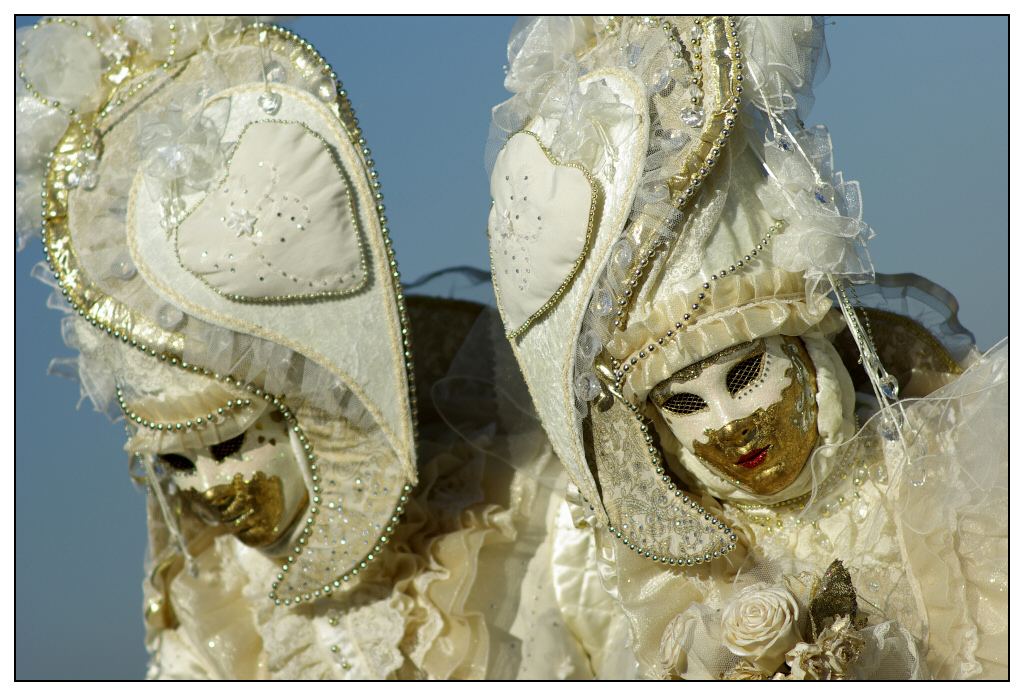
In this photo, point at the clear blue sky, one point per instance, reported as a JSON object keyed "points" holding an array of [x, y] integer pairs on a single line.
{"points": [[922, 123]]}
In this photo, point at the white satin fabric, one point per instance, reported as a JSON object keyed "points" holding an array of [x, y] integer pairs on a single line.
{"points": [[540, 226]]}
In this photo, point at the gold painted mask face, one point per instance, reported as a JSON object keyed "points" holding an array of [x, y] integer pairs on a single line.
{"points": [[748, 412], [251, 483]]}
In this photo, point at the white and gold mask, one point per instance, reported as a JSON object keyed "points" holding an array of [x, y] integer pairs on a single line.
{"points": [[748, 412], [251, 483]]}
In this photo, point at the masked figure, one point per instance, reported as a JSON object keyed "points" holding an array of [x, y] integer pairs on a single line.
{"points": [[215, 223], [675, 261]]}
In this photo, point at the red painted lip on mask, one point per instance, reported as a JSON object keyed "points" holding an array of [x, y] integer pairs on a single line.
{"points": [[754, 459]]}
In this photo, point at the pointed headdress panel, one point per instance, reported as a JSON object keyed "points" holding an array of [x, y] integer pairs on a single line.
{"points": [[212, 212]]}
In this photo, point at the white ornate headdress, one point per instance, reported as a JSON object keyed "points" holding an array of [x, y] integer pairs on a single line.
{"points": [[656, 200], [212, 216]]}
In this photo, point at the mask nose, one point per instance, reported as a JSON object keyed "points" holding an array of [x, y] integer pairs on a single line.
{"points": [[217, 500], [739, 433]]}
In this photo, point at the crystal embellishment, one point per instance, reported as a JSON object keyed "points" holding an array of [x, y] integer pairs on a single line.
{"points": [[242, 221], [90, 179], [660, 79], [122, 266], [169, 316], [275, 72], [693, 116], [622, 254], [324, 88], [890, 387], [587, 387], [270, 102], [603, 302]]}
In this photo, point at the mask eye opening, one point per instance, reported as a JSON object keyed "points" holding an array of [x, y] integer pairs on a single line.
{"points": [[223, 450], [178, 463], [744, 373], [685, 404]]}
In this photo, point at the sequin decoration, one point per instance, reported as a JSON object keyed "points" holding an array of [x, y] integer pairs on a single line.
{"points": [[834, 597]]}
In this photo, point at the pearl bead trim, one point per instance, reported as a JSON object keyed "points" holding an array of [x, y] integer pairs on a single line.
{"points": [[353, 571], [90, 303], [307, 530], [621, 368], [90, 137], [197, 422], [686, 184]]}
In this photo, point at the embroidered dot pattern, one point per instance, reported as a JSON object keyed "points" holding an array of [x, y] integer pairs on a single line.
{"points": [[520, 226]]}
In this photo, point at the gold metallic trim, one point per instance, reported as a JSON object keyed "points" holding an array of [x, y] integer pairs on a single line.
{"points": [[621, 367], [720, 51]]}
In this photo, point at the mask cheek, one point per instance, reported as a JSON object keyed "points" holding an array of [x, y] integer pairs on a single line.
{"points": [[206, 475], [688, 429], [280, 460]]}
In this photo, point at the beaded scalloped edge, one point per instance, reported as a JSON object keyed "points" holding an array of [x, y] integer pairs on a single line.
{"points": [[87, 300]]}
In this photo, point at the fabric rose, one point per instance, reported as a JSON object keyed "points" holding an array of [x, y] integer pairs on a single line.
{"points": [[745, 671], [807, 662], [672, 655], [174, 146], [760, 624], [786, 58], [824, 232], [538, 45], [63, 65]]}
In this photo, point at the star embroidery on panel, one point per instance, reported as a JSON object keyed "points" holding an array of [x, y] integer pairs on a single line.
{"points": [[241, 221]]}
